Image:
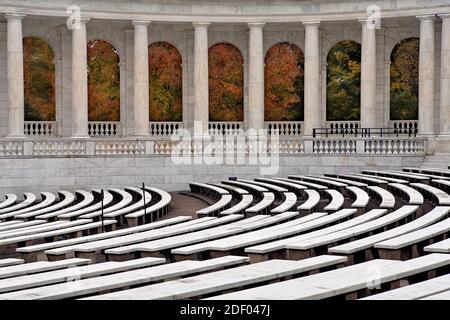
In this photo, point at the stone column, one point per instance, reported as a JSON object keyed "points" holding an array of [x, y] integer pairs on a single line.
{"points": [[201, 93], [141, 79], [79, 81], [368, 76], [312, 78], [426, 75], [445, 77], [256, 77], [15, 76]]}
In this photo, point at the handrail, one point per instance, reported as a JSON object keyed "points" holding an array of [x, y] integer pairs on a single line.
{"points": [[364, 132]]}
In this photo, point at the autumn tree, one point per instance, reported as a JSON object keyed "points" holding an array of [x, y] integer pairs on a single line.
{"points": [[226, 83], [343, 82], [39, 80], [404, 86], [284, 83], [165, 82], [103, 81]]}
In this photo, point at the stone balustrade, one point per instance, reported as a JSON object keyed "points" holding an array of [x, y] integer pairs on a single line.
{"points": [[165, 129], [404, 126], [347, 127], [333, 146], [40, 128], [394, 146], [284, 128], [11, 148], [104, 129], [225, 128], [69, 147]]}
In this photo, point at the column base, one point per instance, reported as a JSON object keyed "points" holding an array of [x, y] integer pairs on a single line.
{"points": [[80, 137], [427, 135], [16, 136], [140, 136], [442, 144]]}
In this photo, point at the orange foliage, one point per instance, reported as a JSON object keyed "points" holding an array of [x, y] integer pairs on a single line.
{"points": [[165, 77], [103, 81], [226, 83], [39, 80], [283, 82]]}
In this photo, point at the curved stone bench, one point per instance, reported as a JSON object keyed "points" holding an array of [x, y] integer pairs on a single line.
{"points": [[277, 249], [65, 199], [36, 252], [386, 199], [239, 208], [356, 249], [311, 247], [262, 206], [10, 199], [87, 198], [411, 245], [29, 199], [336, 200]]}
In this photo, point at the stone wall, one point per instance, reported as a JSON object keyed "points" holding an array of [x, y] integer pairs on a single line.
{"points": [[50, 174]]}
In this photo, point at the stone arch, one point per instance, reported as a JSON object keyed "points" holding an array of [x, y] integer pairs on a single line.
{"points": [[103, 81], [165, 82], [39, 80], [226, 82], [404, 80], [343, 82], [284, 83]]}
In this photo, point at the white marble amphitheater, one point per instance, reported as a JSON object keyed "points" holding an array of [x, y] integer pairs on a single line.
{"points": [[329, 180]]}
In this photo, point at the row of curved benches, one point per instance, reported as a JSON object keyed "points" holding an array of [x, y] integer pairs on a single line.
{"points": [[351, 235], [71, 215], [127, 203]]}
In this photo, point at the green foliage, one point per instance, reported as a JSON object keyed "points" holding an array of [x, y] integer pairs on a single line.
{"points": [[226, 83], [284, 83], [32, 114], [103, 82], [165, 77], [39, 80], [343, 82], [404, 86]]}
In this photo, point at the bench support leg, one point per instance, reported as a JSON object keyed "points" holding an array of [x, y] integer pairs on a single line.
{"points": [[298, 254], [255, 257], [132, 222], [87, 255]]}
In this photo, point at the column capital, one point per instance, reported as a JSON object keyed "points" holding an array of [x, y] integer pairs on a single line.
{"points": [[366, 20], [14, 15], [370, 23], [256, 24], [314, 23], [143, 23], [444, 16], [204, 24], [427, 17]]}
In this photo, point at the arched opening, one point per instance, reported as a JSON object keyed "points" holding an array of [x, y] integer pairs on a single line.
{"points": [[404, 80], [165, 82], [39, 80], [284, 83], [344, 82], [103, 81], [226, 83]]}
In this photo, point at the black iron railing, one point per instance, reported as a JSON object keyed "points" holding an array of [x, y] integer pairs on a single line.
{"points": [[365, 132]]}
